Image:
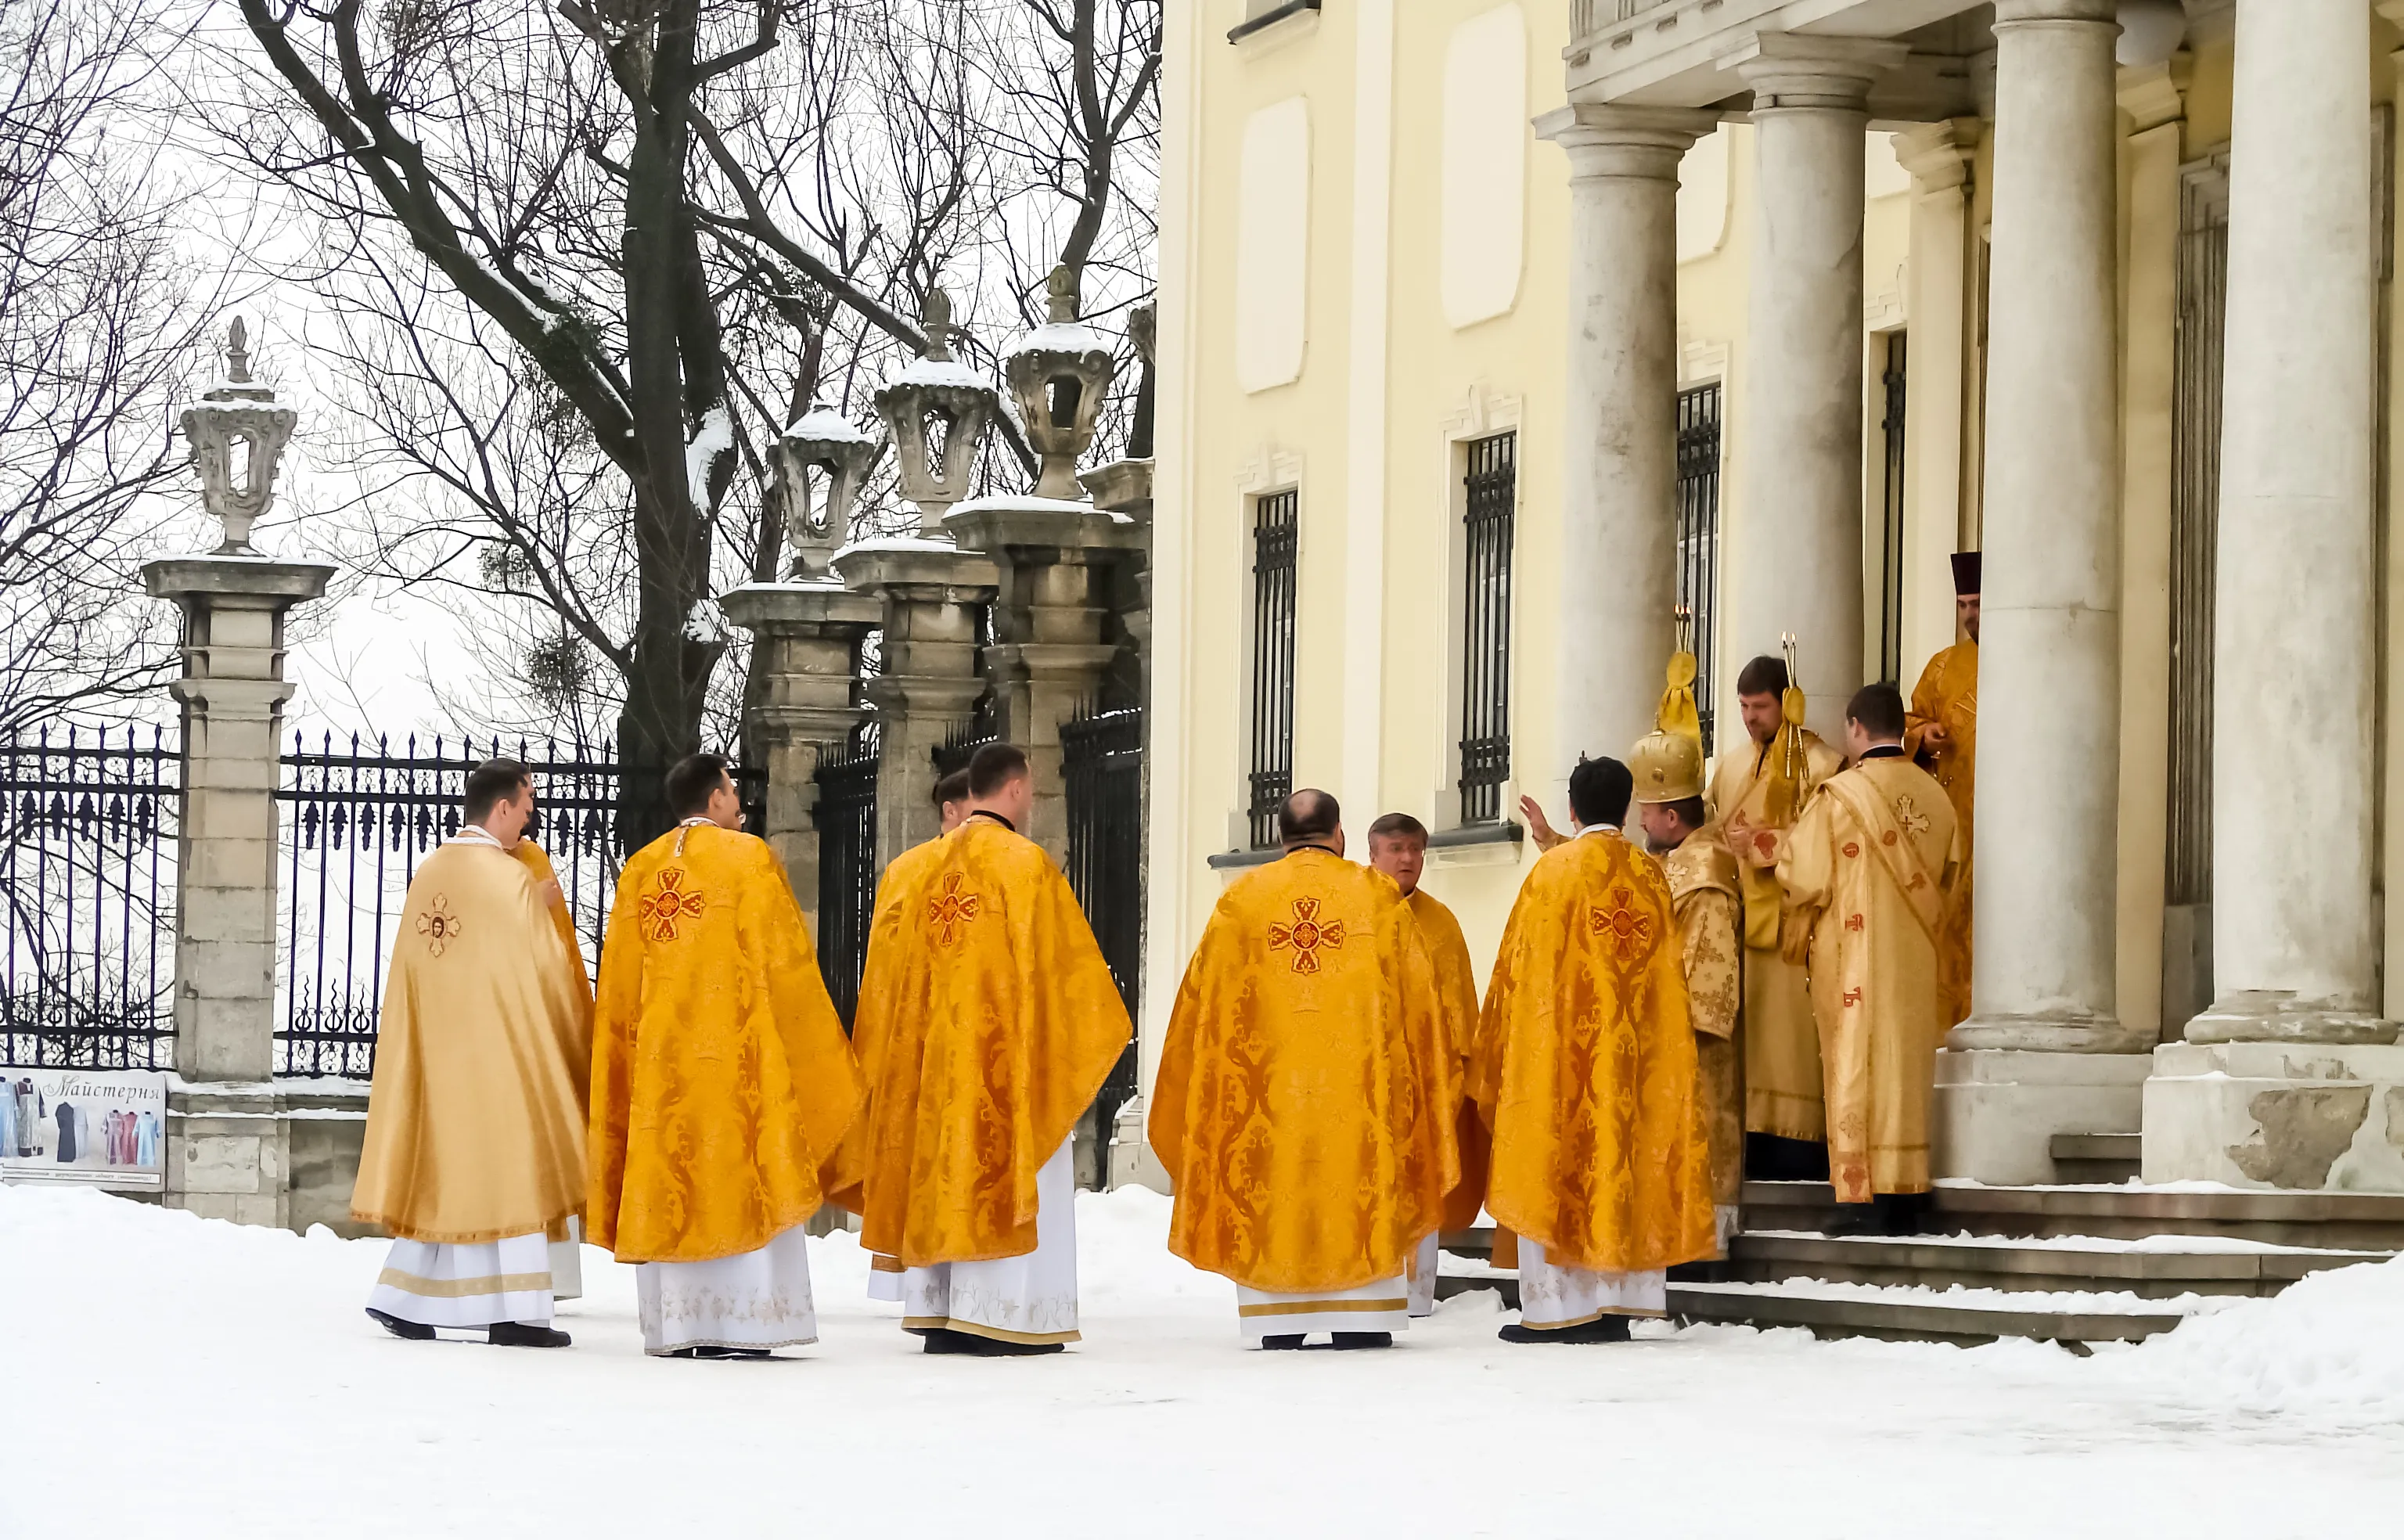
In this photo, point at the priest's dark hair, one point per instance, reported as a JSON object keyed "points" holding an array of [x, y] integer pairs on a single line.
{"points": [[1879, 709], [1308, 815], [690, 781], [1398, 826], [1691, 812], [1599, 791], [1763, 675], [951, 788], [490, 784], [994, 766]]}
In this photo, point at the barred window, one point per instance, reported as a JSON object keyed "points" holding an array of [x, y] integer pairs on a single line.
{"points": [[1488, 509], [1699, 535], [1891, 513], [1276, 528]]}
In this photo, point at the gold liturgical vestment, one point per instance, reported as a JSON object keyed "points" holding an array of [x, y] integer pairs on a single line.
{"points": [[1704, 895], [1305, 1102], [1456, 989], [1868, 868], [991, 1024], [1948, 697], [476, 1122], [1781, 1046], [1585, 1068], [722, 1083]]}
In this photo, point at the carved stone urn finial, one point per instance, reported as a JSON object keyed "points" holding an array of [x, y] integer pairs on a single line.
{"points": [[238, 410], [937, 411], [844, 453], [1058, 374]]}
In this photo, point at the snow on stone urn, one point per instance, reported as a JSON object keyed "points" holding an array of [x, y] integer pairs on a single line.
{"points": [[842, 453], [1058, 374], [937, 411], [238, 433]]}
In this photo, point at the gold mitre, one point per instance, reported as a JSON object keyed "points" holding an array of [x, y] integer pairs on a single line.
{"points": [[1667, 766]]}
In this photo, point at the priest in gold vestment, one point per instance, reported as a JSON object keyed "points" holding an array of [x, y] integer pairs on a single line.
{"points": [[988, 1022], [721, 1083], [1755, 797], [1398, 848], [474, 1155], [1867, 871], [1585, 1070], [951, 799], [1305, 1101], [1706, 899], [1942, 735]]}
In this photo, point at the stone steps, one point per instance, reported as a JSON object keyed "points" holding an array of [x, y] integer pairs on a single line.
{"points": [[2097, 1159], [2368, 1222], [1947, 1262], [1908, 1316]]}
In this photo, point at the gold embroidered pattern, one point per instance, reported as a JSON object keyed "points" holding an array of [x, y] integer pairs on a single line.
{"points": [[1908, 814], [951, 910], [1630, 933], [1307, 935], [438, 925], [667, 904]]}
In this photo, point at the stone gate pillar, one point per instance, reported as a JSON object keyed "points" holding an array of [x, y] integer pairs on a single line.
{"points": [[804, 663], [229, 1153]]}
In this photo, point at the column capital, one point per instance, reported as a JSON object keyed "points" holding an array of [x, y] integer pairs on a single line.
{"points": [[1938, 155], [763, 607], [1791, 70], [2154, 94], [2016, 13], [1615, 141]]}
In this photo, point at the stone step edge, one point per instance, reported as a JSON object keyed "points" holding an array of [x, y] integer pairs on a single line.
{"points": [[2111, 1201], [1924, 1253], [2111, 1147], [1764, 1303]]}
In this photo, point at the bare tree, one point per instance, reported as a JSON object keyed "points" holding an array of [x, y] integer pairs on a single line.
{"points": [[100, 325]]}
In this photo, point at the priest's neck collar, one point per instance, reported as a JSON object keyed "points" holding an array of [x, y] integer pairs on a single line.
{"points": [[1314, 845], [1883, 752], [688, 826], [1611, 829], [476, 833], [989, 813]]}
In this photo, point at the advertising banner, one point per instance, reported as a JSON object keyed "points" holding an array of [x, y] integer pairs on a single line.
{"points": [[96, 1127]]}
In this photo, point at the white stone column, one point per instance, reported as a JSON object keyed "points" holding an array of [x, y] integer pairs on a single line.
{"points": [[1938, 156], [2293, 938], [2049, 691], [1795, 553], [1618, 568]]}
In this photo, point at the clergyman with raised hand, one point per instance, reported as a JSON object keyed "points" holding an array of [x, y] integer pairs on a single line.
{"points": [[474, 1157]]}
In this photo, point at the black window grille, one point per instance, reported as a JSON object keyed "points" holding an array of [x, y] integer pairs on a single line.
{"points": [[1488, 512], [845, 817], [1699, 538], [1891, 514], [1276, 537]]}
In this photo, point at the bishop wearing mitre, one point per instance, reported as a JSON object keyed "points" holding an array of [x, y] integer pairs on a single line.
{"points": [[1584, 1070], [1758, 787], [474, 1155], [721, 1083], [1398, 848], [1941, 734], [951, 799], [1706, 901], [987, 1023], [1868, 871], [1305, 1100]]}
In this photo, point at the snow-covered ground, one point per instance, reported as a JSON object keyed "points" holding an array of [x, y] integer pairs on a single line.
{"points": [[194, 1380]]}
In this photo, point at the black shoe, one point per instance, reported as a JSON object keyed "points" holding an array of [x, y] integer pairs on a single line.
{"points": [[516, 1334], [1608, 1328], [1347, 1340], [988, 1347], [1903, 1213], [407, 1331], [714, 1352], [1282, 1342], [943, 1339], [1856, 1219]]}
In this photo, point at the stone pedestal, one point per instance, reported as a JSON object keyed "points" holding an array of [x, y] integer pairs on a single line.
{"points": [[1055, 563], [1996, 1110], [2277, 1118], [804, 664], [228, 1153], [927, 594]]}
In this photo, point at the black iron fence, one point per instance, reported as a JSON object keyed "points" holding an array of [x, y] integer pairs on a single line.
{"points": [[1101, 762], [1698, 539], [845, 817], [87, 829]]}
